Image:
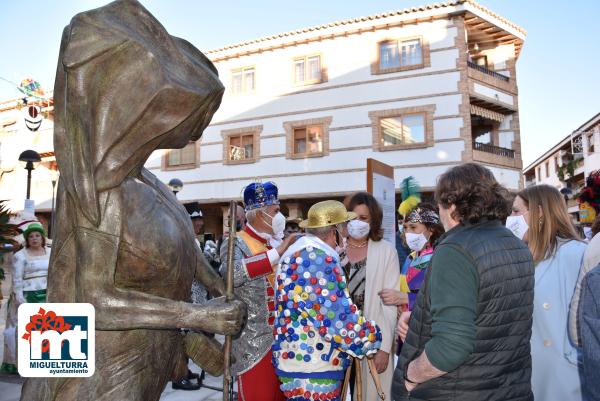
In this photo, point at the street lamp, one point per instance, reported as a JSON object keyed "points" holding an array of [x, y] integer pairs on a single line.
{"points": [[30, 160], [54, 178], [175, 184]]}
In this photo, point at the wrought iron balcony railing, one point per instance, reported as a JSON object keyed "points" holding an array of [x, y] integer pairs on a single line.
{"points": [[497, 150], [488, 72]]}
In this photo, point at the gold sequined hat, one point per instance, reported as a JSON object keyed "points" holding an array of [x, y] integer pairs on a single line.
{"points": [[327, 213]]}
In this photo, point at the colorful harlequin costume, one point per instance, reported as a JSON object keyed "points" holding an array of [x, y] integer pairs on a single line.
{"points": [[415, 266], [254, 262], [413, 274], [317, 327]]}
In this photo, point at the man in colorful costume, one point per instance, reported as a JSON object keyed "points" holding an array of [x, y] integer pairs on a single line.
{"points": [[318, 328], [256, 253]]}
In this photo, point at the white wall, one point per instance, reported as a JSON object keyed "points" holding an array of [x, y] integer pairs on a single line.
{"points": [[493, 93], [552, 179], [14, 139], [349, 94], [592, 160]]}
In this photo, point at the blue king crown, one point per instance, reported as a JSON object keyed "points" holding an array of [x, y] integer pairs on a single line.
{"points": [[259, 194]]}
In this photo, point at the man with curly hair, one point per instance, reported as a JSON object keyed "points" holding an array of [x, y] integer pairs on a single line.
{"points": [[467, 337]]}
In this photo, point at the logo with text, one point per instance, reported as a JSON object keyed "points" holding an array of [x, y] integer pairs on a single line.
{"points": [[56, 340]]}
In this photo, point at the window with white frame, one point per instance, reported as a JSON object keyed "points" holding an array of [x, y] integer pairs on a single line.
{"points": [[243, 80], [403, 130], [397, 54], [307, 70]]}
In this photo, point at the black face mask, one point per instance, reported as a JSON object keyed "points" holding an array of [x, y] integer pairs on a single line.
{"points": [[338, 239]]}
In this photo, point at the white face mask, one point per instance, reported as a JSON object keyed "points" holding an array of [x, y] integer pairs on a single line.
{"points": [[416, 242], [517, 225], [400, 228], [358, 229], [277, 225], [587, 231]]}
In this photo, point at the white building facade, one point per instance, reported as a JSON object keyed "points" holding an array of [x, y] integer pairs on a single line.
{"points": [[567, 165], [20, 132], [422, 90]]}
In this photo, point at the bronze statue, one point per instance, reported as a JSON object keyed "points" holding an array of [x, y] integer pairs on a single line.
{"points": [[125, 88]]}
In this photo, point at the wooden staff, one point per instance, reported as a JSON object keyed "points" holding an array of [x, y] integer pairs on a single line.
{"points": [[358, 379], [373, 370], [346, 381], [227, 378], [358, 383]]}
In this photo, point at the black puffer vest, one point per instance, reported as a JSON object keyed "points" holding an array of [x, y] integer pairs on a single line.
{"points": [[499, 368]]}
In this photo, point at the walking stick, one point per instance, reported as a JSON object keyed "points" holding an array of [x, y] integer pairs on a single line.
{"points": [[376, 379], [227, 378], [358, 380], [345, 385]]}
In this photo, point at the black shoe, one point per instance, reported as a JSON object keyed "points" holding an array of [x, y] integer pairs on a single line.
{"points": [[184, 384], [191, 375]]}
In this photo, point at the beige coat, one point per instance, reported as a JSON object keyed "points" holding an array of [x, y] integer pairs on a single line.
{"points": [[383, 271]]}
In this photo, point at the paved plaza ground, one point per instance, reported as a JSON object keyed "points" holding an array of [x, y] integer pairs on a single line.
{"points": [[10, 390]]}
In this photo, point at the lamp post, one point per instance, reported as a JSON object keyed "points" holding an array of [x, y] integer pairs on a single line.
{"points": [[54, 178], [30, 159], [176, 185]]}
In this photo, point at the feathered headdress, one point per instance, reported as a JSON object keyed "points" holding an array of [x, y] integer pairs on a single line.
{"points": [[411, 195]]}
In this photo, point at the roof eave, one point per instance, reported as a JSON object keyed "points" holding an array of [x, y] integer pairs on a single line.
{"points": [[450, 8]]}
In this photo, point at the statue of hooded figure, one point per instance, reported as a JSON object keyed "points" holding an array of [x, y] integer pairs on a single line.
{"points": [[125, 88]]}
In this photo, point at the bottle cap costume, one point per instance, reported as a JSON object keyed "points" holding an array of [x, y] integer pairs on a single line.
{"points": [[317, 326]]}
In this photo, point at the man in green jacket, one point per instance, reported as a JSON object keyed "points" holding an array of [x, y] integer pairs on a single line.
{"points": [[468, 336]]}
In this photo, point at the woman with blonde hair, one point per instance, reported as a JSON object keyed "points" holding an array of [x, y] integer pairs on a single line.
{"points": [[540, 218]]}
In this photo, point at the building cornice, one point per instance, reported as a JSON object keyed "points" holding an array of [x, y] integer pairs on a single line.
{"points": [[360, 25]]}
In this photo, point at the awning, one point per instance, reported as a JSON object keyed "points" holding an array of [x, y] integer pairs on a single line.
{"points": [[487, 113]]}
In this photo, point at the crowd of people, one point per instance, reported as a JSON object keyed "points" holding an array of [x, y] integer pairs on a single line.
{"points": [[486, 295]]}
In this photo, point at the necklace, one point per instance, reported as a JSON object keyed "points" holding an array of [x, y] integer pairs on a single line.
{"points": [[361, 245]]}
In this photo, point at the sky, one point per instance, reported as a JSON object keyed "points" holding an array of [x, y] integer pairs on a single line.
{"points": [[558, 71]]}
